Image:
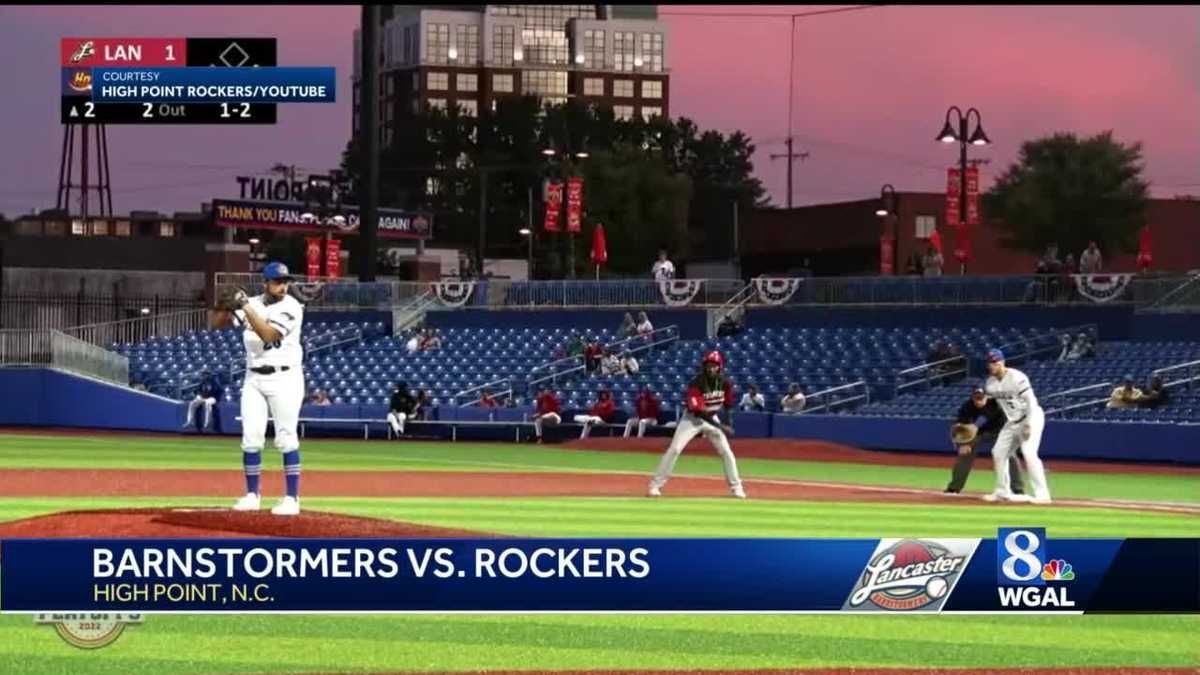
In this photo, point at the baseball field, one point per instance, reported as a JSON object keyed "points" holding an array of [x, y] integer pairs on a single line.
{"points": [[65, 484]]}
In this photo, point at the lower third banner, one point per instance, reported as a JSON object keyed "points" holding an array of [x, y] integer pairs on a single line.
{"points": [[1019, 571]]}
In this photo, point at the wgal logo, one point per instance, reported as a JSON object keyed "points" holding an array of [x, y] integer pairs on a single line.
{"points": [[1023, 568]]}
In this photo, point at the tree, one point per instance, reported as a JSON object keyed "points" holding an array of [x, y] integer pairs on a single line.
{"points": [[1067, 191], [641, 202]]}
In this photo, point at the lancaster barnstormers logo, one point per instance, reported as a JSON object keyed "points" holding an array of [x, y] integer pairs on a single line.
{"points": [[83, 51], [910, 574]]}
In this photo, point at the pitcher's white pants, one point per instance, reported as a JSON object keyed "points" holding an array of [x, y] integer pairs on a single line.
{"points": [[689, 427], [277, 396], [1011, 440]]}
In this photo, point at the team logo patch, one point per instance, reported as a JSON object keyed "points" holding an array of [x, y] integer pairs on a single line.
{"points": [[81, 81], [906, 575]]}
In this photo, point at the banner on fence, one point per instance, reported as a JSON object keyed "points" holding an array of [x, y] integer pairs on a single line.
{"points": [[1101, 287], [776, 291], [390, 223], [453, 293], [679, 292]]}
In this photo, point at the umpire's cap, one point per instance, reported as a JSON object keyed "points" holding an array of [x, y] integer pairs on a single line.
{"points": [[978, 390], [276, 271]]}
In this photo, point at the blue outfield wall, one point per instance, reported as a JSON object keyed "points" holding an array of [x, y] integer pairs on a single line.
{"points": [[51, 398]]}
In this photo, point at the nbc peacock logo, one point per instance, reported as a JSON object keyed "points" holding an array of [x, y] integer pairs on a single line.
{"points": [[1058, 570]]}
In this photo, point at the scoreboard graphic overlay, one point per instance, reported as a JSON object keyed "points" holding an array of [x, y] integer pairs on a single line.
{"points": [[79, 56]]}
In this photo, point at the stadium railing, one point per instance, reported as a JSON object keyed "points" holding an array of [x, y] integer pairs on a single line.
{"points": [[929, 373], [1046, 343], [143, 328], [59, 311], [58, 350], [574, 364], [1066, 400], [830, 398]]}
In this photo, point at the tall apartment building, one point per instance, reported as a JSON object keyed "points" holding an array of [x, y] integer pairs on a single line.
{"points": [[471, 55]]}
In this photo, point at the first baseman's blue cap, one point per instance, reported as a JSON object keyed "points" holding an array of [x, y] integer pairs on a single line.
{"points": [[995, 355], [276, 271]]}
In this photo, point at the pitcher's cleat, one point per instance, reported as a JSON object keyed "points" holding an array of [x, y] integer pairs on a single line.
{"points": [[654, 492], [249, 502], [288, 506], [1020, 498]]}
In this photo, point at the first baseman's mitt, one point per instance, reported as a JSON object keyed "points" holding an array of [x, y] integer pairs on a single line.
{"points": [[963, 434], [231, 298]]}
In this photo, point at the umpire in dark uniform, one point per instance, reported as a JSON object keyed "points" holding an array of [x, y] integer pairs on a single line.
{"points": [[985, 416]]}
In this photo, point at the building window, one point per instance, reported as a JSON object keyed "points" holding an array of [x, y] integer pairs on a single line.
{"points": [[432, 186], [100, 228], [56, 228], [593, 48], [28, 228], [436, 103], [470, 107], [166, 229], [468, 45], [122, 228], [651, 111], [466, 82], [438, 81], [652, 89], [623, 112], [623, 50], [504, 43], [593, 86], [437, 42], [502, 84], [652, 52], [544, 29], [623, 88], [544, 83], [78, 227], [925, 226]]}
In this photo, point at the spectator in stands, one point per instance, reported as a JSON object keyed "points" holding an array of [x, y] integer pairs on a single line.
{"points": [[320, 398], [575, 345], [939, 351], [421, 406], [628, 326], [1090, 261], [601, 413], [646, 410], [629, 364], [931, 264], [913, 268], [611, 364], [644, 327], [729, 327], [1125, 395], [592, 355], [1083, 348], [486, 400], [753, 400], [1064, 350], [1155, 394], [413, 344], [547, 410], [206, 395], [1049, 263], [400, 408], [805, 268], [663, 269], [434, 341], [1069, 264], [794, 401]]}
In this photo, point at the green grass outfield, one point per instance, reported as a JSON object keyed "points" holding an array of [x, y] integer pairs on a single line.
{"points": [[474, 642]]}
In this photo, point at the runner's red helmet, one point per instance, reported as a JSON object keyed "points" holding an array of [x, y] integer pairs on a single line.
{"points": [[714, 357]]}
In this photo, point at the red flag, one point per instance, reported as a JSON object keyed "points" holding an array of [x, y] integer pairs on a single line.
{"points": [[599, 246], [574, 204], [962, 252], [1145, 254], [333, 258], [935, 240]]}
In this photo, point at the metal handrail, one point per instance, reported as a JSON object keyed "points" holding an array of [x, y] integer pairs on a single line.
{"points": [[1194, 279], [827, 405], [1077, 406], [1178, 366], [1076, 390], [672, 336], [487, 385], [735, 303], [929, 366], [1090, 328]]}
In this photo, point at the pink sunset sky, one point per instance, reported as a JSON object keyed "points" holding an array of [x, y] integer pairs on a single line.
{"points": [[871, 90]]}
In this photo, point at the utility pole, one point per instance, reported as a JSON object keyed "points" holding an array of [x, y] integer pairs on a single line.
{"points": [[368, 201], [791, 156]]}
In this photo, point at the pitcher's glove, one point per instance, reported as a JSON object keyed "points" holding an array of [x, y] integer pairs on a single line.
{"points": [[231, 298], [964, 434]]}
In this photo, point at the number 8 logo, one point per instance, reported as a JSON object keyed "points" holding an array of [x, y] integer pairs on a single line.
{"points": [[1023, 554]]}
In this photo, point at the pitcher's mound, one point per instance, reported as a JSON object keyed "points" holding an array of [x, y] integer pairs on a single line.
{"points": [[215, 522]]}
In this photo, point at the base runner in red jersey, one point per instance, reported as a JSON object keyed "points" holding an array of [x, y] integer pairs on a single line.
{"points": [[707, 394]]}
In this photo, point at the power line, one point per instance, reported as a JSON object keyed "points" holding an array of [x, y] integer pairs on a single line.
{"points": [[771, 15]]}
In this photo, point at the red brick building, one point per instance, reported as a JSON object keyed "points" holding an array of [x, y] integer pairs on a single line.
{"points": [[844, 238]]}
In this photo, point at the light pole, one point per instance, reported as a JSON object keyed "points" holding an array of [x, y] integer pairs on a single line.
{"points": [[565, 167], [887, 240], [527, 232], [951, 134]]}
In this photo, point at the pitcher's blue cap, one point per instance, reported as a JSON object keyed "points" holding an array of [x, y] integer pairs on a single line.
{"points": [[276, 271], [995, 355]]}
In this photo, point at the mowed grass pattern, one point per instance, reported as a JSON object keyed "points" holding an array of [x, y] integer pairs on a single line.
{"points": [[296, 643], [169, 452]]}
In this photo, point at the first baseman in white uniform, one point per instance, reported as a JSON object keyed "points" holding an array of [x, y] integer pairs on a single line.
{"points": [[1022, 432], [274, 385]]}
